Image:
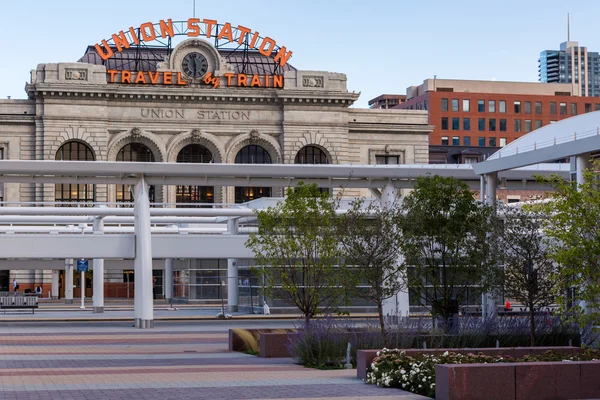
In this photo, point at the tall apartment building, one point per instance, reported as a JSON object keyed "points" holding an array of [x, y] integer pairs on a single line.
{"points": [[572, 64], [474, 117], [386, 101]]}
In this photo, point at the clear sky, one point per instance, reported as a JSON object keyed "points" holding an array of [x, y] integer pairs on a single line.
{"points": [[382, 45]]}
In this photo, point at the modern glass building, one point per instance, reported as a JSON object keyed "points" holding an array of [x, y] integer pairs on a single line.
{"points": [[571, 64]]}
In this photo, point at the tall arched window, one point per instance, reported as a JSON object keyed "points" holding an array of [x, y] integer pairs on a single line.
{"points": [[252, 154], [135, 152], [194, 153], [76, 193], [311, 155]]}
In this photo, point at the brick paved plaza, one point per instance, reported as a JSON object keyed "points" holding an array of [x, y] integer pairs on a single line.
{"points": [[112, 360]]}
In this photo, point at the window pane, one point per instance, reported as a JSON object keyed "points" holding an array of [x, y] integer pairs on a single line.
{"points": [[517, 107], [588, 107], [527, 125], [467, 140], [481, 141], [538, 107], [445, 123], [455, 124], [444, 104], [444, 140], [492, 106], [552, 107], [466, 105], [455, 105], [596, 107], [502, 106], [455, 141], [492, 141], [538, 124], [517, 125], [481, 124], [502, 125], [311, 155], [480, 105], [527, 107], [466, 124], [563, 108], [573, 108], [502, 141], [492, 124]]}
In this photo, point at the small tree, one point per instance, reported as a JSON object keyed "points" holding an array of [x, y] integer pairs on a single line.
{"points": [[573, 229], [529, 272], [371, 245], [297, 247], [447, 242]]}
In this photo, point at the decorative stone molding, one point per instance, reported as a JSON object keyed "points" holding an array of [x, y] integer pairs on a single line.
{"points": [[136, 133], [149, 140], [269, 143], [204, 139], [76, 74], [196, 133], [254, 135], [317, 139], [387, 151], [72, 133], [313, 81]]}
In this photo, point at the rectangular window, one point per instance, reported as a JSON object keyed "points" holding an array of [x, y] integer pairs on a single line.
{"points": [[444, 104], [480, 105], [382, 160], [455, 105], [455, 141], [491, 105], [573, 108], [502, 125], [481, 124], [467, 140], [444, 123], [563, 108], [481, 141], [466, 124], [538, 123], [527, 125], [455, 124], [596, 107], [502, 141], [527, 106], [444, 140], [492, 124], [466, 105], [492, 142], [538, 107], [588, 107], [470, 160], [517, 107], [517, 125], [552, 107], [502, 106]]}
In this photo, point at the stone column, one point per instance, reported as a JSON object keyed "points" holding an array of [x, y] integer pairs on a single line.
{"points": [[399, 304], [168, 281], [55, 284], [143, 300], [68, 281], [98, 298]]}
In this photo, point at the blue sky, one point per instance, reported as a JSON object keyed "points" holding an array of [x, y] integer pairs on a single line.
{"points": [[383, 46]]}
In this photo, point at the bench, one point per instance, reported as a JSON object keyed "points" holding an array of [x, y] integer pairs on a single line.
{"points": [[19, 302]]}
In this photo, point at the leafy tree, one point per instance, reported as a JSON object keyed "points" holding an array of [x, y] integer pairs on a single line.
{"points": [[529, 272], [297, 247], [447, 241], [573, 229], [370, 242]]}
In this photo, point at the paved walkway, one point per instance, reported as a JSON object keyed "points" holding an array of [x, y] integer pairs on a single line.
{"points": [[172, 361]]}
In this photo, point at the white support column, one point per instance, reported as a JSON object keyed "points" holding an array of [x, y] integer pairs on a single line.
{"points": [[68, 281], [143, 301], [98, 265], [488, 303], [482, 188], [582, 162], [232, 271], [55, 284], [168, 280], [399, 304]]}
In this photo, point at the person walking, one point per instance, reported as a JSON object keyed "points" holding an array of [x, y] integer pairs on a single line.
{"points": [[15, 285]]}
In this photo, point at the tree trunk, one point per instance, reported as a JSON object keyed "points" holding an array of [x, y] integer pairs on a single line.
{"points": [[382, 324], [532, 326]]}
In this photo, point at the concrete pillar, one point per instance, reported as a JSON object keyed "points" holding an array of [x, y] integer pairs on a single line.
{"points": [[399, 304], [482, 188], [143, 300], [232, 271], [68, 281], [55, 284], [168, 281], [488, 303], [98, 298]]}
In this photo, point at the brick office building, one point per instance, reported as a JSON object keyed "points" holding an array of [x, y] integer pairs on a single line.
{"points": [[492, 113]]}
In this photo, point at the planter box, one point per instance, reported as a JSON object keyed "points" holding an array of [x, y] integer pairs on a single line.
{"points": [[518, 381], [274, 345], [364, 358]]}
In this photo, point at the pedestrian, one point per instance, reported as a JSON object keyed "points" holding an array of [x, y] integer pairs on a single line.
{"points": [[15, 285], [153, 287]]}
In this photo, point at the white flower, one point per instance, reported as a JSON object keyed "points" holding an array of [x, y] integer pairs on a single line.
{"points": [[445, 353], [378, 354], [424, 380]]}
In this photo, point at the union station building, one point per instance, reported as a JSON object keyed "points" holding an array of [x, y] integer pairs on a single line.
{"points": [[193, 91]]}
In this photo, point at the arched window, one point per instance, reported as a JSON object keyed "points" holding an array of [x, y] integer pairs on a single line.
{"points": [[194, 153], [76, 193], [252, 154], [135, 152], [311, 155]]}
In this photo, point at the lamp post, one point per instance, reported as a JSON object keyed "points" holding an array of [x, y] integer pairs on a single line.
{"points": [[82, 279]]}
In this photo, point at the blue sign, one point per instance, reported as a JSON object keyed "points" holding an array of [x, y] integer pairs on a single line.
{"points": [[82, 265]]}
